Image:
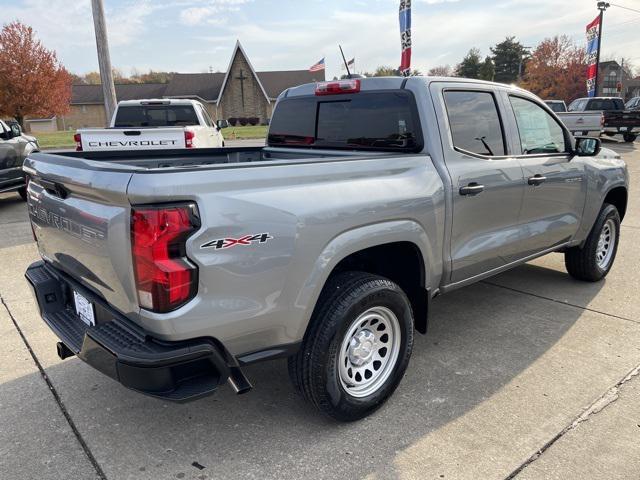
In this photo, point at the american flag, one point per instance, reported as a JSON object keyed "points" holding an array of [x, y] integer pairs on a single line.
{"points": [[316, 67]]}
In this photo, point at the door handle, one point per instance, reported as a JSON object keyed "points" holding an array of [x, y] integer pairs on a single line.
{"points": [[537, 179], [472, 189]]}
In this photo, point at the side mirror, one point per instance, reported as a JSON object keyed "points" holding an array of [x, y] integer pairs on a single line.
{"points": [[222, 124], [587, 146], [16, 131]]}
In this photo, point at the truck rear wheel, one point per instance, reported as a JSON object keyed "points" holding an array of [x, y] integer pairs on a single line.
{"points": [[357, 347], [629, 137], [593, 261]]}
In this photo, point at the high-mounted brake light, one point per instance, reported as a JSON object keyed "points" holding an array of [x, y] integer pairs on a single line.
{"points": [[188, 138], [78, 139], [337, 87], [165, 278]]}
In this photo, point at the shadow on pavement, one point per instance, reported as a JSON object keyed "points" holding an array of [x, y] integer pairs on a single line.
{"points": [[479, 339]]}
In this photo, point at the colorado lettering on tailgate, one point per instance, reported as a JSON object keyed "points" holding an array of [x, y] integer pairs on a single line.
{"points": [[83, 232]]}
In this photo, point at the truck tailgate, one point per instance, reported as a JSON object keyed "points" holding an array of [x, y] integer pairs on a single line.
{"points": [[81, 216], [624, 119], [105, 139]]}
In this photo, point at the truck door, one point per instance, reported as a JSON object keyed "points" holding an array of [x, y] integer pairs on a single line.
{"points": [[10, 162], [487, 184], [555, 189]]}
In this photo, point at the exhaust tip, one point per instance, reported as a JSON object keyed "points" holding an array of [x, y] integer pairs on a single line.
{"points": [[64, 351], [238, 381]]}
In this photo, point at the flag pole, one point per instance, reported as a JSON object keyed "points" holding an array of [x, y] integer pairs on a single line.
{"points": [[345, 61], [602, 6]]}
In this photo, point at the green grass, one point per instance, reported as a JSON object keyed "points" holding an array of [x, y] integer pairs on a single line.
{"points": [[65, 139], [55, 139], [258, 131]]}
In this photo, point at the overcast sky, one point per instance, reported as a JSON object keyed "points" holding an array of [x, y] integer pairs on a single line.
{"points": [[194, 35]]}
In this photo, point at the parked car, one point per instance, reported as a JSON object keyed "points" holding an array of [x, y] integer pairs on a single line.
{"points": [[633, 104], [578, 123], [14, 148], [154, 125], [171, 271], [616, 120]]}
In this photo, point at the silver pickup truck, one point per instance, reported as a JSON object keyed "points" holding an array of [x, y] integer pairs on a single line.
{"points": [[578, 123], [170, 271]]}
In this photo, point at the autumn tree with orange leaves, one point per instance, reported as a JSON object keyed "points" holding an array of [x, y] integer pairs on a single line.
{"points": [[32, 80], [556, 70]]}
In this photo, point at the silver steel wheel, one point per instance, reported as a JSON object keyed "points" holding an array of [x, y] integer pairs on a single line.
{"points": [[369, 351], [606, 243]]}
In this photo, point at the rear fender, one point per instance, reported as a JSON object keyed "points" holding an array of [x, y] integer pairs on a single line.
{"points": [[359, 239]]}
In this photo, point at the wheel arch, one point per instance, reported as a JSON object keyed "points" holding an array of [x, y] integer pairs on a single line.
{"points": [[398, 250], [618, 197]]}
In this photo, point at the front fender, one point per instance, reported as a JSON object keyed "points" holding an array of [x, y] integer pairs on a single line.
{"points": [[604, 173], [358, 239]]}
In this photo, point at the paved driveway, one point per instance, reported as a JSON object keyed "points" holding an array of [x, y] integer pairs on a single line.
{"points": [[529, 375]]}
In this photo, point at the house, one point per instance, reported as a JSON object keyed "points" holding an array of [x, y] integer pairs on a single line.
{"points": [[240, 92], [615, 81]]}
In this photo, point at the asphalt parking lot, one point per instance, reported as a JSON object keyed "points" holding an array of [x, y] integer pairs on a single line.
{"points": [[529, 375]]}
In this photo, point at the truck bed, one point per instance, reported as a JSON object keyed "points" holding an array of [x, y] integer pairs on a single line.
{"points": [[162, 159]]}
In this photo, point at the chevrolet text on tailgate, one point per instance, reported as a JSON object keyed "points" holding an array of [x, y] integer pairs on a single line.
{"points": [[170, 270]]}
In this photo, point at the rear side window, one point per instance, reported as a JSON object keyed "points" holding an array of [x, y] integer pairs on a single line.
{"points": [[205, 115], [539, 132], [156, 116], [363, 121], [556, 107], [475, 122]]}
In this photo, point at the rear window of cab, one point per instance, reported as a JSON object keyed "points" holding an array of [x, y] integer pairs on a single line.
{"points": [[377, 120]]}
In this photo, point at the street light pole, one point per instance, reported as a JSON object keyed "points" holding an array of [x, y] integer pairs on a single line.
{"points": [[104, 60], [602, 6]]}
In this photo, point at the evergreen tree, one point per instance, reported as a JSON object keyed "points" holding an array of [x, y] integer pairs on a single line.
{"points": [[509, 58], [470, 65], [487, 70]]}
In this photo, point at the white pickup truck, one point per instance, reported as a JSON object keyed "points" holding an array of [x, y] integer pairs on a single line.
{"points": [[578, 123], [154, 124]]}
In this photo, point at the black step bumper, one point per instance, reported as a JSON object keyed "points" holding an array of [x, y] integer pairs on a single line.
{"points": [[177, 371]]}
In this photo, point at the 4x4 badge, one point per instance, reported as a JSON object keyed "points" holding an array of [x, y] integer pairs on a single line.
{"points": [[233, 242]]}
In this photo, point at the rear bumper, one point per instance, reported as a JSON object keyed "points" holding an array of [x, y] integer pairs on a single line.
{"points": [[633, 129], [177, 371]]}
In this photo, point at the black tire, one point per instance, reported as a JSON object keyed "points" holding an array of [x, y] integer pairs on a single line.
{"points": [[23, 193], [582, 263], [629, 137], [314, 369]]}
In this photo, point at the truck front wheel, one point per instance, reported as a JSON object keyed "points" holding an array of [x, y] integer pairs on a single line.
{"points": [[593, 261], [357, 347], [629, 137]]}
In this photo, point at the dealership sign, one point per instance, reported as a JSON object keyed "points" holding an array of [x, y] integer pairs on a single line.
{"points": [[593, 45]]}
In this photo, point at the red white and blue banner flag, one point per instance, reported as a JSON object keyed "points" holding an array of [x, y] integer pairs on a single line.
{"points": [[405, 36], [593, 44]]}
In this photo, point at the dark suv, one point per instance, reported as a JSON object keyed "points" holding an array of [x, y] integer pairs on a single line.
{"points": [[14, 148]]}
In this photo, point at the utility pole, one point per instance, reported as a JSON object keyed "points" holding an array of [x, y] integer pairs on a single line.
{"points": [[602, 6], [104, 60], [521, 63]]}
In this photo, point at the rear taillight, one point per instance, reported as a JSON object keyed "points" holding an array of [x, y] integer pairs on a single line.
{"points": [[78, 139], [339, 86], [601, 120], [165, 278], [188, 138]]}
